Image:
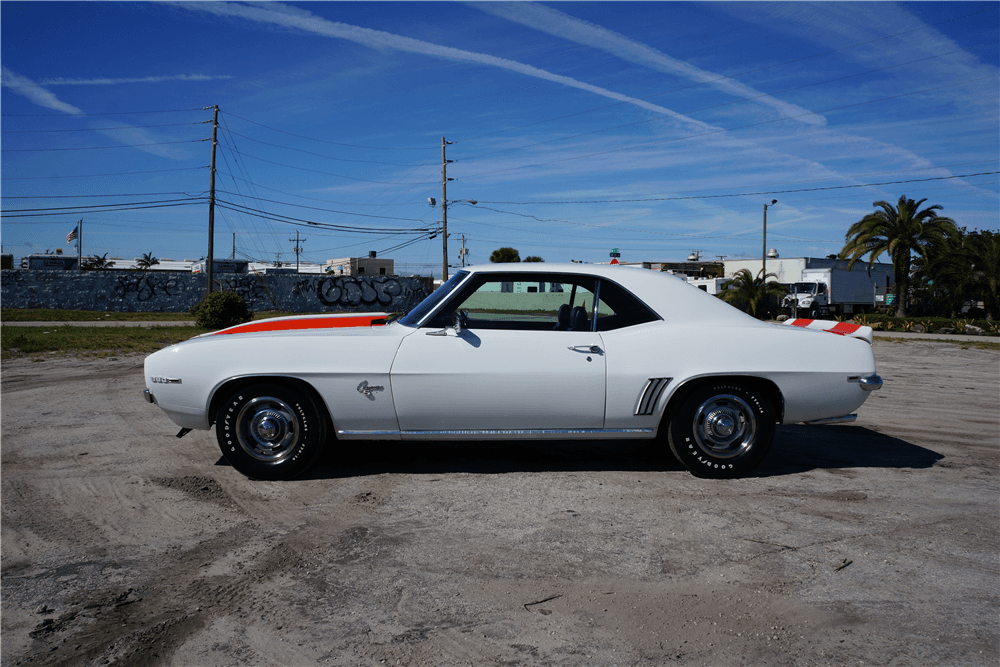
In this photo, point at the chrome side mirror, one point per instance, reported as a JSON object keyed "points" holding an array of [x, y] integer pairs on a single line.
{"points": [[456, 322]]}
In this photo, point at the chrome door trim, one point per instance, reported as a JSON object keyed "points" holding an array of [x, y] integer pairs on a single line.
{"points": [[469, 434]]}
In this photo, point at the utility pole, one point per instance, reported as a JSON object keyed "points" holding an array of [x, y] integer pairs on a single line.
{"points": [[298, 249], [463, 252], [210, 260], [763, 257], [234, 246], [444, 211]]}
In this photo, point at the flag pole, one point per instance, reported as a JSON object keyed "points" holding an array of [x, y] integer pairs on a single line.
{"points": [[79, 247]]}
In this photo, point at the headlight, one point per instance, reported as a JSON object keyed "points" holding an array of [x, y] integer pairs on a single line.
{"points": [[805, 302]]}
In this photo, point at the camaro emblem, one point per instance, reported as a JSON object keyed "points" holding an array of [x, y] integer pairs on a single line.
{"points": [[162, 380], [368, 390]]}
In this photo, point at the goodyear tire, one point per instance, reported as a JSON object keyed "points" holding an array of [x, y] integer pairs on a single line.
{"points": [[722, 430], [270, 431]]}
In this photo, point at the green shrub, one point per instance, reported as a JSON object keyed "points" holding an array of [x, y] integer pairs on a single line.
{"points": [[220, 310]]}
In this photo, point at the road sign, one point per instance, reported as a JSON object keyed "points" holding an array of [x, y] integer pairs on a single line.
{"points": [[615, 262]]}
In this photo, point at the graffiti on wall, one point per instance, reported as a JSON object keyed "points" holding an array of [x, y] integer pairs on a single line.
{"points": [[145, 287], [248, 287], [11, 279], [348, 292], [134, 291]]}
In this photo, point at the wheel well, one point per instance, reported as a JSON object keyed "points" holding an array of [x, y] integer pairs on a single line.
{"points": [[231, 386], [765, 387]]}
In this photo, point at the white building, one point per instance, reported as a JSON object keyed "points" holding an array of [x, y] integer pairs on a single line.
{"points": [[360, 266], [787, 270]]}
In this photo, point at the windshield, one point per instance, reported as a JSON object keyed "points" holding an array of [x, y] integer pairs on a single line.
{"points": [[413, 318], [802, 288]]}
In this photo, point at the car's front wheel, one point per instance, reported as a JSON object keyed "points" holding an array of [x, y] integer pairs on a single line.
{"points": [[270, 431], [722, 430]]}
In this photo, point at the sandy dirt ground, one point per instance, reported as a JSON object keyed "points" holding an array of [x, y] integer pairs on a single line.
{"points": [[869, 544]]}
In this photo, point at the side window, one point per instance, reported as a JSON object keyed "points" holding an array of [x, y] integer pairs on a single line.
{"points": [[523, 302], [618, 308]]}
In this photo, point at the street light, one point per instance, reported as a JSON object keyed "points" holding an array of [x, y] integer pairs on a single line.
{"points": [[763, 256], [444, 227]]}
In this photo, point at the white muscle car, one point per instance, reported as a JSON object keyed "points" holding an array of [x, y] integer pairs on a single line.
{"points": [[527, 351]]}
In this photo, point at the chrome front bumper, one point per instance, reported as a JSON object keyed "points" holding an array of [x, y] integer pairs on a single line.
{"points": [[148, 396]]}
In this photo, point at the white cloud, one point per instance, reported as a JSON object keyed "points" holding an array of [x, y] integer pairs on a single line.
{"points": [[290, 17], [34, 92], [145, 79], [554, 22]]}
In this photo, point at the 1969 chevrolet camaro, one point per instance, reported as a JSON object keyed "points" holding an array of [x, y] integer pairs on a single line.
{"points": [[526, 351]]}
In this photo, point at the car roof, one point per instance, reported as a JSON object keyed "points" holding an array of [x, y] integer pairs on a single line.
{"points": [[669, 295]]}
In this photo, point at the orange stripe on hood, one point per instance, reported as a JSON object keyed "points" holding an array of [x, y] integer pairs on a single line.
{"points": [[310, 323]]}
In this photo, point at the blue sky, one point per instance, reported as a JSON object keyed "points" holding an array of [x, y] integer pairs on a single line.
{"points": [[656, 128]]}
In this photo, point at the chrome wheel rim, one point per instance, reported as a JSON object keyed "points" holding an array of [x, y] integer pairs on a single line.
{"points": [[267, 429], [724, 426]]}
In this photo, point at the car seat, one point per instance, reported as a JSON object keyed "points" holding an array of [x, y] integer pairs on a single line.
{"points": [[562, 317], [578, 320]]}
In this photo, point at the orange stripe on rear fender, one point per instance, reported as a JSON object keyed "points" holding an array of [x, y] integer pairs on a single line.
{"points": [[314, 323], [801, 323], [844, 328]]}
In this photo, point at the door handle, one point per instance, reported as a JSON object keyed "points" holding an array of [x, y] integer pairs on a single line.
{"points": [[593, 349]]}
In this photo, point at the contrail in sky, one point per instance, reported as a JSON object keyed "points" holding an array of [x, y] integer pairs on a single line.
{"points": [[554, 22], [115, 82], [292, 17], [35, 92]]}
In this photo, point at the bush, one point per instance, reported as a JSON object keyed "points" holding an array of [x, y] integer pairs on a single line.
{"points": [[220, 310], [882, 322]]}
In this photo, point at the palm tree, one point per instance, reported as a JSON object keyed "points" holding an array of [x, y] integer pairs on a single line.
{"points": [[745, 290], [146, 261], [504, 255], [985, 250], [97, 263], [899, 232]]}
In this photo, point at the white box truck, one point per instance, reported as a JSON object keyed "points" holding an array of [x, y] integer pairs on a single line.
{"points": [[825, 292]]}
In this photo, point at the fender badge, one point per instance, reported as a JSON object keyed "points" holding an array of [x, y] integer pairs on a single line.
{"points": [[163, 380], [367, 390]]}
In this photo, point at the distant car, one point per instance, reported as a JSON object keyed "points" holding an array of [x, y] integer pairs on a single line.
{"points": [[517, 351]]}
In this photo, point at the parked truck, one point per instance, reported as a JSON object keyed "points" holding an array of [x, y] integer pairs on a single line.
{"points": [[831, 291]]}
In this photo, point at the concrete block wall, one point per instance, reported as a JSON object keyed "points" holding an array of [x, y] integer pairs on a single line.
{"points": [[151, 291]]}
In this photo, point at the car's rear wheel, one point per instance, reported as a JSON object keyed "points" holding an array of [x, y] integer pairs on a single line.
{"points": [[270, 431], [722, 430]]}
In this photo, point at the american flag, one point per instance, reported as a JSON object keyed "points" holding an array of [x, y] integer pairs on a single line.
{"points": [[73, 235]]}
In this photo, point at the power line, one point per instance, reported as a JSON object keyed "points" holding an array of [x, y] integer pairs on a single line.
{"points": [[106, 113], [326, 157], [133, 194], [328, 210], [326, 173], [95, 148], [100, 210], [325, 201], [277, 217], [742, 194], [75, 208], [333, 143], [102, 129], [120, 173]]}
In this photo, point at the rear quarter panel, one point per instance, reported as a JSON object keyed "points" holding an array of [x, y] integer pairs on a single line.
{"points": [[810, 368]]}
